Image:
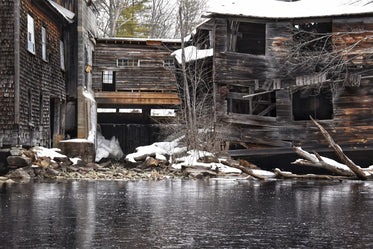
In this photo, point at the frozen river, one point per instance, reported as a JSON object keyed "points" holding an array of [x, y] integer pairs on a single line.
{"points": [[187, 214]]}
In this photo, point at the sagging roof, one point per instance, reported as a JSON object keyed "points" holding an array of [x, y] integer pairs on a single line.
{"points": [[275, 9], [67, 14]]}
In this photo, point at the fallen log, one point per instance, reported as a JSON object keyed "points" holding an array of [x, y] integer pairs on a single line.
{"points": [[288, 175], [315, 160], [249, 172], [338, 150]]}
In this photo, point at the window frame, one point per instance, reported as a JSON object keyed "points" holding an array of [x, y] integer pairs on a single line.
{"points": [[44, 44], [129, 62], [62, 55], [30, 34], [106, 76]]}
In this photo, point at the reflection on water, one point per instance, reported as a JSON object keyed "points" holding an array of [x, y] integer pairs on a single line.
{"points": [[187, 214]]}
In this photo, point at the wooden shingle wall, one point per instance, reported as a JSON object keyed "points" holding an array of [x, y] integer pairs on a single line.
{"points": [[6, 66]]}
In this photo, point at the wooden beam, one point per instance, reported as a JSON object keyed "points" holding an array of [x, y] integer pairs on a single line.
{"points": [[137, 98]]}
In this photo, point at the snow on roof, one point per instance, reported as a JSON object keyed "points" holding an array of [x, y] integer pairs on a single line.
{"points": [[300, 9], [140, 39], [192, 54], [67, 14]]}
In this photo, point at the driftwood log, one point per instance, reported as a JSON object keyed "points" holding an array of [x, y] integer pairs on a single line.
{"points": [[286, 175], [338, 150], [317, 161]]}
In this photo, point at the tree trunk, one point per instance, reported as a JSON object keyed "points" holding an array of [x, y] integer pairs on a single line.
{"points": [[338, 150]]}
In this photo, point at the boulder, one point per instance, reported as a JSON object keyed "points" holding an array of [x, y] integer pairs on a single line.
{"points": [[18, 174], [18, 161], [15, 151]]}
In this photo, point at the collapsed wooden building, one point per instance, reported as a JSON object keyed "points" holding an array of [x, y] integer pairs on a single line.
{"points": [[272, 71]]}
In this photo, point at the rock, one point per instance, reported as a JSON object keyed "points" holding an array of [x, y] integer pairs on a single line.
{"points": [[105, 164], [72, 168], [150, 162], [9, 181], [15, 151], [49, 172], [248, 165], [63, 161], [92, 165], [208, 159], [18, 161], [18, 174], [143, 157], [45, 162], [3, 178], [102, 169]]}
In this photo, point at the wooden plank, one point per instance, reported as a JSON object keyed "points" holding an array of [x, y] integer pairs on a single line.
{"points": [[137, 98]]}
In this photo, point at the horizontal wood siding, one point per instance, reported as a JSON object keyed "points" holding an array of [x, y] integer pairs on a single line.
{"points": [[149, 76]]}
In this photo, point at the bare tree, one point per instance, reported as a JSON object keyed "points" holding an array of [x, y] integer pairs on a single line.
{"points": [[162, 18], [196, 90], [111, 15]]}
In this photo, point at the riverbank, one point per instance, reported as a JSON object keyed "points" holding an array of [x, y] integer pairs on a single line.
{"points": [[43, 163]]}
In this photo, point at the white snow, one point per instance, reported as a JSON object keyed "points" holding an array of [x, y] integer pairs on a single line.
{"points": [[76, 140], [93, 115], [107, 148], [67, 14], [192, 53], [265, 173], [298, 9], [160, 148], [45, 152]]}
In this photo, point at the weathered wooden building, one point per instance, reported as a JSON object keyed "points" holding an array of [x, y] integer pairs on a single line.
{"points": [[272, 70], [132, 77], [46, 50], [32, 71]]}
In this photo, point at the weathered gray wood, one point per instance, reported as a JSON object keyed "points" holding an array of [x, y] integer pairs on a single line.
{"points": [[338, 150]]}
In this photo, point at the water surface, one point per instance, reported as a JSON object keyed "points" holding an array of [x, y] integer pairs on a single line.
{"points": [[187, 214]]}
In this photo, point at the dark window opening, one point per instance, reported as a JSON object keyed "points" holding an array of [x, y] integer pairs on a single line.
{"points": [[249, 38], [260, 104], [108, 81], [317, 103], [310, 37]]}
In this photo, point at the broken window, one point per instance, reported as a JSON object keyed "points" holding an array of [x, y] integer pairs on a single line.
{"points": [[317, 103], [310, 37], [30, 34], [108, 81], [245, 37], [261, 104], [128, 63]]}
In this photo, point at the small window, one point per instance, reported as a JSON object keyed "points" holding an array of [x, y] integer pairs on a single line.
{"points": [[30, 34], [44, 44], [62, 55], [128, 63], [108, 81], [317, 103], [169, 63]]}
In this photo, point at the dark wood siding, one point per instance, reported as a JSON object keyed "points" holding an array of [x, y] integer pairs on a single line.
{"points": [[6, 66]]}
